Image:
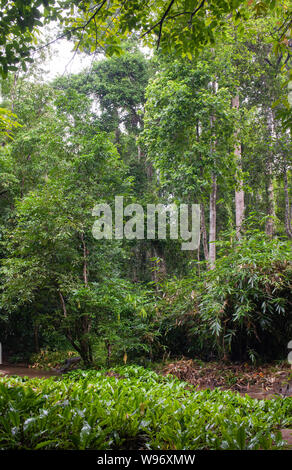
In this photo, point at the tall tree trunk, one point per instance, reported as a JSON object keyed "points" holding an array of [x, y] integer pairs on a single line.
{"points": [[270, 225], [203, 220], [85, 321], [270, 228], [239, 191], [108, 352], [212, 230], [68, 332], [85, 254], [204, 233], [288, 206], [213, 198], [79, 339]]}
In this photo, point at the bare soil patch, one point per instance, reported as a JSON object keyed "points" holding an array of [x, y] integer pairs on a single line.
{"points": [[23, 371], [266, 381]]}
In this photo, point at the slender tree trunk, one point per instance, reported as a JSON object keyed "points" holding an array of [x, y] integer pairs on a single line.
{"points": [[13, 91], [138, 153], [288, 226], [204, 233], [213, 198], [239, 191], [85, 321], [270, 225], [81, 343], [212, 230], [85, 254], [270, 228], [203, 220], [68, 332], [136, 264], [159, 268]]}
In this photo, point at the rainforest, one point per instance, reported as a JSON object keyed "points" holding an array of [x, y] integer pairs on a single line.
{"points": [[145, 225]]}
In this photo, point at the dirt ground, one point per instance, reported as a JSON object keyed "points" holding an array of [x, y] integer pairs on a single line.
{"points": [[266, 381], [23, 371]]}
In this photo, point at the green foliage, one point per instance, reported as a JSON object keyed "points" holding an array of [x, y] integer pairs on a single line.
{"points": [[182, 26], [8, 122], [126, 321], [246, 300], [111, 131], [47, 359], [48, 254], [178, 315], [130, 408], [240, 310], [178, 133], [18, 23]]}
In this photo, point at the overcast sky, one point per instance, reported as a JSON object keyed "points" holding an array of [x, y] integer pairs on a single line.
{"points": [[64, 61]]}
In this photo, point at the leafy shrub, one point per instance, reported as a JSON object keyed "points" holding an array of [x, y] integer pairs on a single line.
{"points": [[246, 300], [133, 408], [178, 316], [241, 310], [48, 360], [125, 324]]}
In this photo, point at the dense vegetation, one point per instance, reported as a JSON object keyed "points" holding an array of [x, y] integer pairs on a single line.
{"points": [[134, 408], [202, 116], [160, 130]]}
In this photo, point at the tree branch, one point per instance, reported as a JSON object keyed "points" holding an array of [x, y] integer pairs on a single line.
{"points": [[77, 28], [196, 10], [162, 20], [165, 18]]}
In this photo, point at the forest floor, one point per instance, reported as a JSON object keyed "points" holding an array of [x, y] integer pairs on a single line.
{"points": [[265, 381], [24, 371]]}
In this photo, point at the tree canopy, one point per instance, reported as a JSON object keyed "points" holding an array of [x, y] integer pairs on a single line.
{"points": [[204, 120], [183, 26]]}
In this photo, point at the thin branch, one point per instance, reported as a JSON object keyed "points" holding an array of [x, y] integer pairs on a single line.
{"points": [[165, 18], [268, 62], [94, 14], [288, 57], [74, 55], [162, 20], [277, 30], [158, 22], [279, 59], [63, 303], [68, 331], [77, 28], [285, 30], [196, 10]]}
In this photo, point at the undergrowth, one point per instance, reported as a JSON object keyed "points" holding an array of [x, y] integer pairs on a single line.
{"points": [[134, 408]]}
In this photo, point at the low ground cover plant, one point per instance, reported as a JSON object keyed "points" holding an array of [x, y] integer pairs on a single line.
{"points": [[134, 408]]}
